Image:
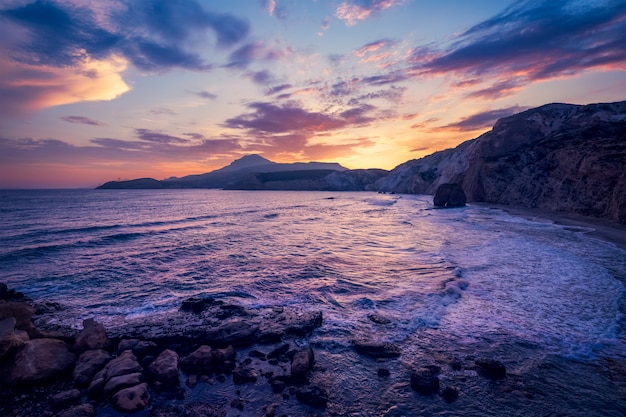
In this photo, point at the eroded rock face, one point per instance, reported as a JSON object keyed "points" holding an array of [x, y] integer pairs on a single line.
{"points": [[39, 360], [558, 157]]}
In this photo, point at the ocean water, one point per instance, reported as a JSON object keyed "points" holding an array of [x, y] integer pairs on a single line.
{"points": [[455, 284]]}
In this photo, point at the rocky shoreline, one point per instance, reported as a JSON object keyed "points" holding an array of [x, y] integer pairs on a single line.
{"points": [[150, 368]]}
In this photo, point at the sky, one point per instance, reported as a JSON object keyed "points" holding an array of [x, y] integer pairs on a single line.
{"points": [[122, 89]]}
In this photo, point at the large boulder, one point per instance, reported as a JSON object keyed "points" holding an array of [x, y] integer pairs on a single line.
{"points": [[93, 336], [89, 363], [40, 360], [23, 314], [449, 195], [164, 369], [200, 361], [10, 338], [124, 364]]}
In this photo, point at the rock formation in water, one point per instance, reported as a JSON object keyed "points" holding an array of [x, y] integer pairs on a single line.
{"points": [[559, 157], [449, 195]]}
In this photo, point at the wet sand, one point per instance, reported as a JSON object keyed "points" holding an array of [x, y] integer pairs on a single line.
{"points": [[599, 228]]}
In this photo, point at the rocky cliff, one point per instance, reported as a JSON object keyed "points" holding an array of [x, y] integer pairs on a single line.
{"points": [[559, 157]]}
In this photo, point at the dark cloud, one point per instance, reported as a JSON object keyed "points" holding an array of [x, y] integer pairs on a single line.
{"points": [[152, 136], [484, 119], [261, 77], [195, 136], [358, 116], [277, 89], [535, 40], [153, 35], [393, 94], [82, 120], [271, 118]]}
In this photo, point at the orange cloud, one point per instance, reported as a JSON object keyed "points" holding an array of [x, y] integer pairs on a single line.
{"points": [[25, 87]]}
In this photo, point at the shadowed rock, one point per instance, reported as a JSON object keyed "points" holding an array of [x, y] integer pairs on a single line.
{"points": [[165, 367], [200, 361], [302, 363], [89, 363], [425, 381], [132, 399], [93, 336], [491, 369], [377, 349], [39, 360], [312, 395], [449, 195]]}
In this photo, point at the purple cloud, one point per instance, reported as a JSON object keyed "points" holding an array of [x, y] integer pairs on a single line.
{"points": [[206, 94], [82, 120], [152, 136], [536, 40], [163, 35], [484, 119]]}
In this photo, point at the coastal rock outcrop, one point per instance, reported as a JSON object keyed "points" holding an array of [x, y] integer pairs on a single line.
{"points": [[558, 157], [449, 195], [40, 360]]}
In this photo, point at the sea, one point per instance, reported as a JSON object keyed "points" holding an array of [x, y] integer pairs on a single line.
{"points": [[453, 285]]}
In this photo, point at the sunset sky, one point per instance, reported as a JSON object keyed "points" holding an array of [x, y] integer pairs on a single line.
{"points": [[96, 91]]}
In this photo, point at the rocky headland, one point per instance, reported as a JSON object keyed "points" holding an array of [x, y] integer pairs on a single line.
{"points": [[558, 157]]}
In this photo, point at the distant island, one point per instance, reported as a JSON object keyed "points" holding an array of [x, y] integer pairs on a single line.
{"points": [[559, 157]]}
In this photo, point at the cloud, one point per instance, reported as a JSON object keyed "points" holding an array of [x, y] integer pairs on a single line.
{"points": [[484, 119], [25, 87], [272, 118], [163, 111], [277, 89], [537, 40], [163, 34], [354, 11], [158, 137], [206, 95], [82, 120]]}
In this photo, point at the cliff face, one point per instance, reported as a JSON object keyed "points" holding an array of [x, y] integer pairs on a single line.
{"points": [[558, 157]]}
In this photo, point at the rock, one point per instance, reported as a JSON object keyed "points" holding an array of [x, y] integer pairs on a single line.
{"points": [[301, 363], [424, 381], [4, 291], [270, 410], [39, 360], [312, 395], [120, 382], [558, 157], [132, 399], [124, 364], [378, 319], [200, 361], [165, 367], [93, 336], [65, 399], [257, 354], [236, 332], [449, 195], [450, 394], [383, 372], [491, 369], [197, 305], [10, 338], [83, 410], [23, 314], [224, 359], [377, 349], [243, 374], [279, 351], [88, 364], [140, 348], [237, 403]]}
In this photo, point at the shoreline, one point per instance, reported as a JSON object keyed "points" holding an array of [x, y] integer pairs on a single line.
{"points": [[600, 228]]}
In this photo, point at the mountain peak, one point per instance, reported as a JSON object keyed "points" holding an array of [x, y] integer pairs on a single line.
{"points": [[247, 161]]}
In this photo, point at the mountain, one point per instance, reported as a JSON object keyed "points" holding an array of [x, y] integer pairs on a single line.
{"points": [[225, 176], [559, 157]]}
